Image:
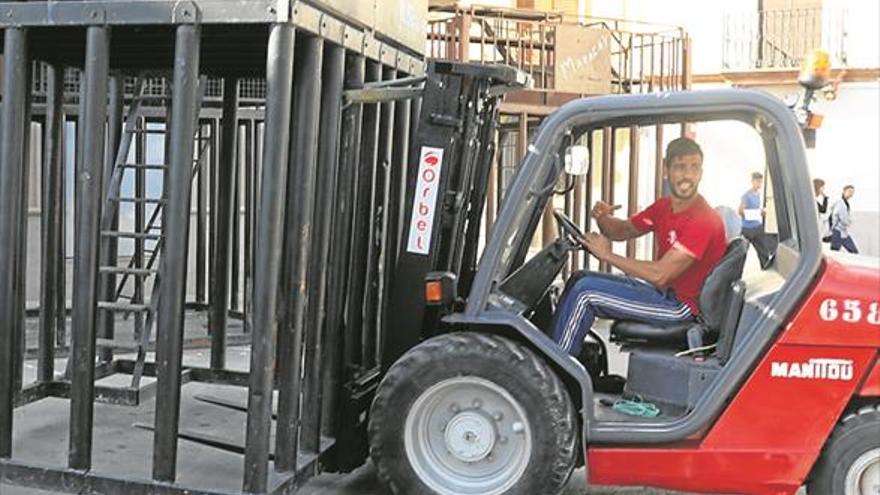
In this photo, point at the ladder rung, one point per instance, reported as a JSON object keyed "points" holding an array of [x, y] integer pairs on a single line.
{"points": [[140, 200], [132, 235], [127, 307], [143, 166], [147, 131], [122, 345], [143, 272]]}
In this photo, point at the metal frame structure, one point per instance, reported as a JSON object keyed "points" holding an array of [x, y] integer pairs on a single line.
{"points": [[308, 55]]}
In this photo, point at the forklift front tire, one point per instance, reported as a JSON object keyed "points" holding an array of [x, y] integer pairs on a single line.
{"points": [[470, 413], [850, 461]]}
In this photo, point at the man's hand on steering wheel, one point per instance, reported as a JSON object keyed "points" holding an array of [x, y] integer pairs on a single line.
{"points": [[598, 245], [570, 230]]}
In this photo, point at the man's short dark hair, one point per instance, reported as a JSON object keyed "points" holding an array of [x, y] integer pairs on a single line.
{"points": [[849, 186], [757, 175], [680, 147]]}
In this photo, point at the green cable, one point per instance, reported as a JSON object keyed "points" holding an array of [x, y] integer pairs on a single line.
{"points": [[634, 408]]}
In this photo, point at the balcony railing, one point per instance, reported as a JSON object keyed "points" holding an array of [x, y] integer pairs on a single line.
{"points": [[779, 39], [585, 55]]}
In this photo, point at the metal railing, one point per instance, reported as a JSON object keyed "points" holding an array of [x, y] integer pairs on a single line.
{"points": [[630, 57], [779, 39], [250, 91]]}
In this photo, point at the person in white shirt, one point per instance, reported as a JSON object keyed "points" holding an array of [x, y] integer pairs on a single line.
{"points": [[841, 222], [822, 206]]}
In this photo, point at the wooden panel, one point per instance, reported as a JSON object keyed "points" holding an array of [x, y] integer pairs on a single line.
{"points": [[583, 61]]}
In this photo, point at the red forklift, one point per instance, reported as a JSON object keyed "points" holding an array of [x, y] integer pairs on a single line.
{"points": [[780, 389]]}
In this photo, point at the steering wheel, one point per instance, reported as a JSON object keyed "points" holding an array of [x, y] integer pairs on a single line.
{"points": [[570, 229]]}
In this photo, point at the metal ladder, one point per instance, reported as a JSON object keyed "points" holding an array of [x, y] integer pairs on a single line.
{"points": [[128, 304]]}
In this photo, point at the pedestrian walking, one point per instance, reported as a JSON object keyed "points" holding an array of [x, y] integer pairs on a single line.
{"points": [[751, 210], [841, 221], [822, 206]]}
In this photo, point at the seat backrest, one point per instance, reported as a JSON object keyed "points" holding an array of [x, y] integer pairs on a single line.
{"points": [[727, 332], [715, 293]]}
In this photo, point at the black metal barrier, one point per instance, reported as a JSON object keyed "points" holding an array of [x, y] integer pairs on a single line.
{"points": [[325, 171]]}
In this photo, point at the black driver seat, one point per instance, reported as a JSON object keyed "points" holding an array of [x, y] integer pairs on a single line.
{"points": [[715, 295]]}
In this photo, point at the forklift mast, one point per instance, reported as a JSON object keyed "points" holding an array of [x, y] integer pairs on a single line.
{"points": [[449, 166]]}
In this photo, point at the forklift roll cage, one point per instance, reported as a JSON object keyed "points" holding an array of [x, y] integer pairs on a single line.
{"points": [[799, 253]]}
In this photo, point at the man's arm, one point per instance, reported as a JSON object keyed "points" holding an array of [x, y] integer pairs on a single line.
{"points": [[659, 273], [617, 229], [613, 228]]}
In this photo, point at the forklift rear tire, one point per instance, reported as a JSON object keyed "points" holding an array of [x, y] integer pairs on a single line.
{"points": [[850, 462], [470, 413]]}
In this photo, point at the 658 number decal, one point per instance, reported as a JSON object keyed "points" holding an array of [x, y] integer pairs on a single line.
{"points": [[850, 311]]}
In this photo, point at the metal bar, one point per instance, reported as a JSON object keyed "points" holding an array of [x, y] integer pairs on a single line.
{"points": [[140, 179], [175, 224], [588, 196], [202, 183], [492, 188], [220, 262], [109, 245], [578, 218], [250, 171], [235, 246], [379, 205], [633, 194], [317, 334], [12, 170], [269, 228], [341, 248], [61, 226], [653, 64], [50, 263], [399, 153], [363, 218], [607, 174], [298, 244], [658, 170], [464, 36], [85, 270]]}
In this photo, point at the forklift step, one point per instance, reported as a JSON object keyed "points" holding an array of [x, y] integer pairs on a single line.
{"points": [[141, 272], [140, 200], [127, 307], [144, 166], [119, 345], [132, 235]]}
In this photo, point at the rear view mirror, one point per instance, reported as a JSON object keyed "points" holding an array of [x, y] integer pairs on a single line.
{"points": [[577, 160]]}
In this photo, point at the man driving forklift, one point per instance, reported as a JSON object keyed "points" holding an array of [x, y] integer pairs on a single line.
{"points": [[691, 240]]}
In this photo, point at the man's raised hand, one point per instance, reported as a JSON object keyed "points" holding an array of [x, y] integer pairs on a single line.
{"points": [[601, 209]]}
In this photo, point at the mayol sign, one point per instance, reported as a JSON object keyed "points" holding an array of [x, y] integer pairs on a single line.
{"points": [[817, 369]]}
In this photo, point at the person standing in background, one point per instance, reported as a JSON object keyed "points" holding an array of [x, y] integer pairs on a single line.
{"points": [[751, 210], [822, 206], [841, 222]]}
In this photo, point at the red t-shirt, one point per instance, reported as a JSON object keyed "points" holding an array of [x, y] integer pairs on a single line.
{"points": [[698, 231]]}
